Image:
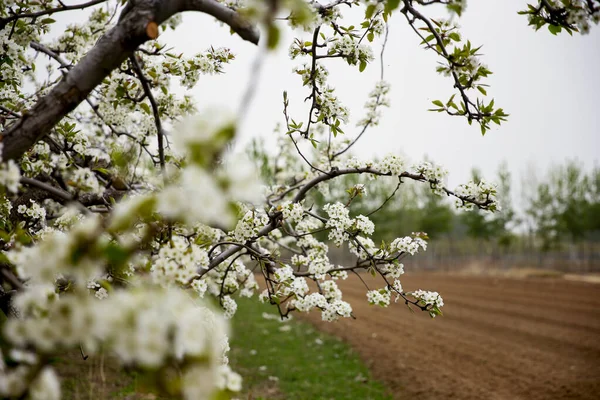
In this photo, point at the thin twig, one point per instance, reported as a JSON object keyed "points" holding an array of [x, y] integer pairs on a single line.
{"points": [[59, 193], [157, 122], [13, 280], [370, 121], [387, 199]]}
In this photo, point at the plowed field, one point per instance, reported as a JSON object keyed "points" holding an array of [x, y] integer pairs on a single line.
{"points": [[499, 338]]}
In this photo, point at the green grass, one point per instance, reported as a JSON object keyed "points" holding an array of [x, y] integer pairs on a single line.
{"points": [[98, 379], [278, 360], [291, 360]]}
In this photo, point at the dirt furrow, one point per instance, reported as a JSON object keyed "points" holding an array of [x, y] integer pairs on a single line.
{"points": [[490, 344]]}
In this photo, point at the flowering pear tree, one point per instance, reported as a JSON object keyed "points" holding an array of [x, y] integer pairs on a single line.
{"points": [[127, 228]]}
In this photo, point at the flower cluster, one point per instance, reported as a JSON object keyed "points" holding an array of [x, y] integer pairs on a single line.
{"points": [[15, 60], [33, 211], [249, 226], [316, 260], [348, 47], [318, 77], [145, 328], [5, 208], [45, 386], [339, 221], [363, 225], [190, 69], [289, 285], [9, 175], [362, 247], [329, 107], [62, 254], [201, 197], [408, 245], [226, 279], [355, 163], [203, 136], [84, 178], [571, 15], [391, 164], [331, 309], [394, 269], [432, 300], [580, 13], [292, 212], [77, 39], [380, 297], [179, 262], [397, 286], [434, 174], [377, 98], [483, 193]]}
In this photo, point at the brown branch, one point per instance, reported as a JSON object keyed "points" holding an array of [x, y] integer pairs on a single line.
{"points": [[386, 199], [43, 49], [82, 201], [10, 278], [9, 111], [276, 217], [55, 192], [148, 91], [6, 20]]}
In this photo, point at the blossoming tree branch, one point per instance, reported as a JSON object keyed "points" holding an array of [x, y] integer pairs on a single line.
{"points": [[126, 226]]}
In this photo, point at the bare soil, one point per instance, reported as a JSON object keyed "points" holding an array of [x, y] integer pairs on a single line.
{"points": [[499, 338]]}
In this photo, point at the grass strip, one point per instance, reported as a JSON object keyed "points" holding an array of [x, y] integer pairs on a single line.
{"points": [[292, 360]]}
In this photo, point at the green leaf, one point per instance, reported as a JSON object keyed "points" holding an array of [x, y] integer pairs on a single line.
{"points": [[146, 108], [102, 171], [115, 254], [454, 7], [427, 39], [48, 21], [362, 66], [554, 29], [482, 90], [370, 11], [391, 5], [273, 36], [438, 103]]}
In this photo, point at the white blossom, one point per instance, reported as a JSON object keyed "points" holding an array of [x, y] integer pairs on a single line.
{"points": [[45, 386], [380, 297], [9, 175]]}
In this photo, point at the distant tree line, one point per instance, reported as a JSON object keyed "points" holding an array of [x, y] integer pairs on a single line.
{"points": [[560, 208]]}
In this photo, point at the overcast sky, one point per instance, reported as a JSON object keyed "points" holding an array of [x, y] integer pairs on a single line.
{"points": [[549, 84]]}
